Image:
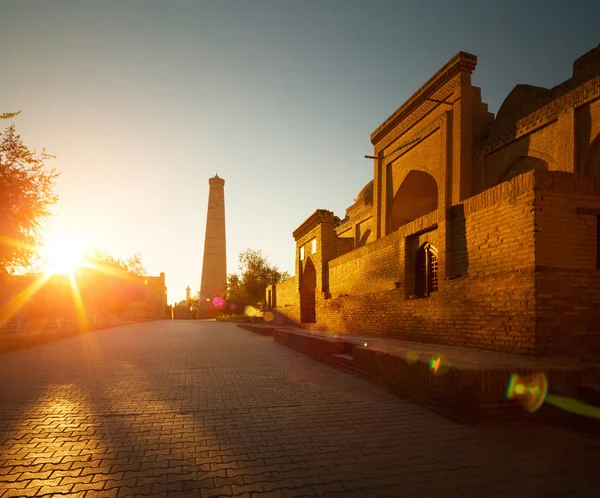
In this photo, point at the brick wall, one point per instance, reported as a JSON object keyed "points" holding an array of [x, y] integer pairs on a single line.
{"points": [[491, 312], [491, 306], [498, 233], [567, 281], [371, 268], [567, 313], [287, 301]]}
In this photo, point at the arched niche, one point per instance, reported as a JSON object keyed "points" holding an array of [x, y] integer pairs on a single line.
{"points": [[416, 196]]}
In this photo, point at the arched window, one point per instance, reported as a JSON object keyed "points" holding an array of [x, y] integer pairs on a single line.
{"points": [[426, 271]]}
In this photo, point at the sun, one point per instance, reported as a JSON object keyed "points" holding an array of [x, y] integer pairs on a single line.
{"points": [[62, 255]]}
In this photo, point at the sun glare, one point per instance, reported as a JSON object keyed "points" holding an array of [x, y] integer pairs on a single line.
{"points": [[62, 255]]}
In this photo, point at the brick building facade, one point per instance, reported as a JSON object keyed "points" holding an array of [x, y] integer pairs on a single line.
{"points": [[476, 230]]}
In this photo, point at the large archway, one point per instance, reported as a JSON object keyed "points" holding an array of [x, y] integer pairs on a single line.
{"points": [[417, 196], [308, 292], [521, 165]]}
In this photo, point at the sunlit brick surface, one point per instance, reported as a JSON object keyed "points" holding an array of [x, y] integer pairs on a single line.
{"points": [[207, 409]]}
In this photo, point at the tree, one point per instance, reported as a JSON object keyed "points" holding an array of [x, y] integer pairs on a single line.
{"points": [[247, 287], [26, 195], [118, 266]]}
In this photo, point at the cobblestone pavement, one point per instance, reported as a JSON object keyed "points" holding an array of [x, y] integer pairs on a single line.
{"points": [[207, 409]]}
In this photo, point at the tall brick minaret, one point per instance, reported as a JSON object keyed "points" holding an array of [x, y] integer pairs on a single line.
{"points": [[214, 265]]}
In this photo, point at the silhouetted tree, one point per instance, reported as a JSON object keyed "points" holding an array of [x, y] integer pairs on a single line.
{"points": [[26, 194], [248, 286]]}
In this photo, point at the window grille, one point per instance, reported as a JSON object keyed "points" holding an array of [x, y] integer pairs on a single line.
{"points": [[426, 271]]}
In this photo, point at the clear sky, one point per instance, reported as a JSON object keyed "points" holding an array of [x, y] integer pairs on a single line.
{"points": [[143, 101]]}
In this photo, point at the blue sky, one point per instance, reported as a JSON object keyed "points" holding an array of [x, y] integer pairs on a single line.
{"points": [[143, 101]]}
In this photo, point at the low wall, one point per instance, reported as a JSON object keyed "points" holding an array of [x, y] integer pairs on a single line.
{"points": [[12, 341], [461, 394]]}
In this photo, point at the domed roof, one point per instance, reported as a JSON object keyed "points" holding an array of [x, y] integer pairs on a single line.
{"points": [[520, 97], [366, 194]]}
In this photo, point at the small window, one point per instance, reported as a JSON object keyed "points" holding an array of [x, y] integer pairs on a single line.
{"points": [[301, 253], [426, 271], [314, 246]]}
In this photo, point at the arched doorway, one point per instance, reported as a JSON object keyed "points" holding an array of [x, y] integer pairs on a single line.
{"points": [[522, 165], [416, 196], [307, 293]]}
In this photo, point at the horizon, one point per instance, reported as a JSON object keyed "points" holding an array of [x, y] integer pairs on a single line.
{"points": [[143, 102]]}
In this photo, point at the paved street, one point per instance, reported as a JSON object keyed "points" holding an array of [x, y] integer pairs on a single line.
{"points": [[207, 409]]}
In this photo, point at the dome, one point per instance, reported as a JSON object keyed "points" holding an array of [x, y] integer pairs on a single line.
{"points": [[366, 194], [520, 97]]}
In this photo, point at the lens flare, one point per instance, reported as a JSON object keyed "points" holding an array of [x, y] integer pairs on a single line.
{"points": [[218, 302], [573, 406], [269, 316], [439, 365], [232, 306], [529, 391], [412, 357], [366, 344], [250, 311]]}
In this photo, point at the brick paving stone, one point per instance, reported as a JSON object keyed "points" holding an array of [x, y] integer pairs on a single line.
{"points": [[201, 409]]}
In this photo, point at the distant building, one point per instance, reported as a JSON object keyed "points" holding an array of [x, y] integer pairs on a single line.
{"points": [[34, 295], [476, 230]]}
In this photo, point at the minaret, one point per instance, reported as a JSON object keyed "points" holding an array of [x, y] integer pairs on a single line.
{"points": [[214, 266]]}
